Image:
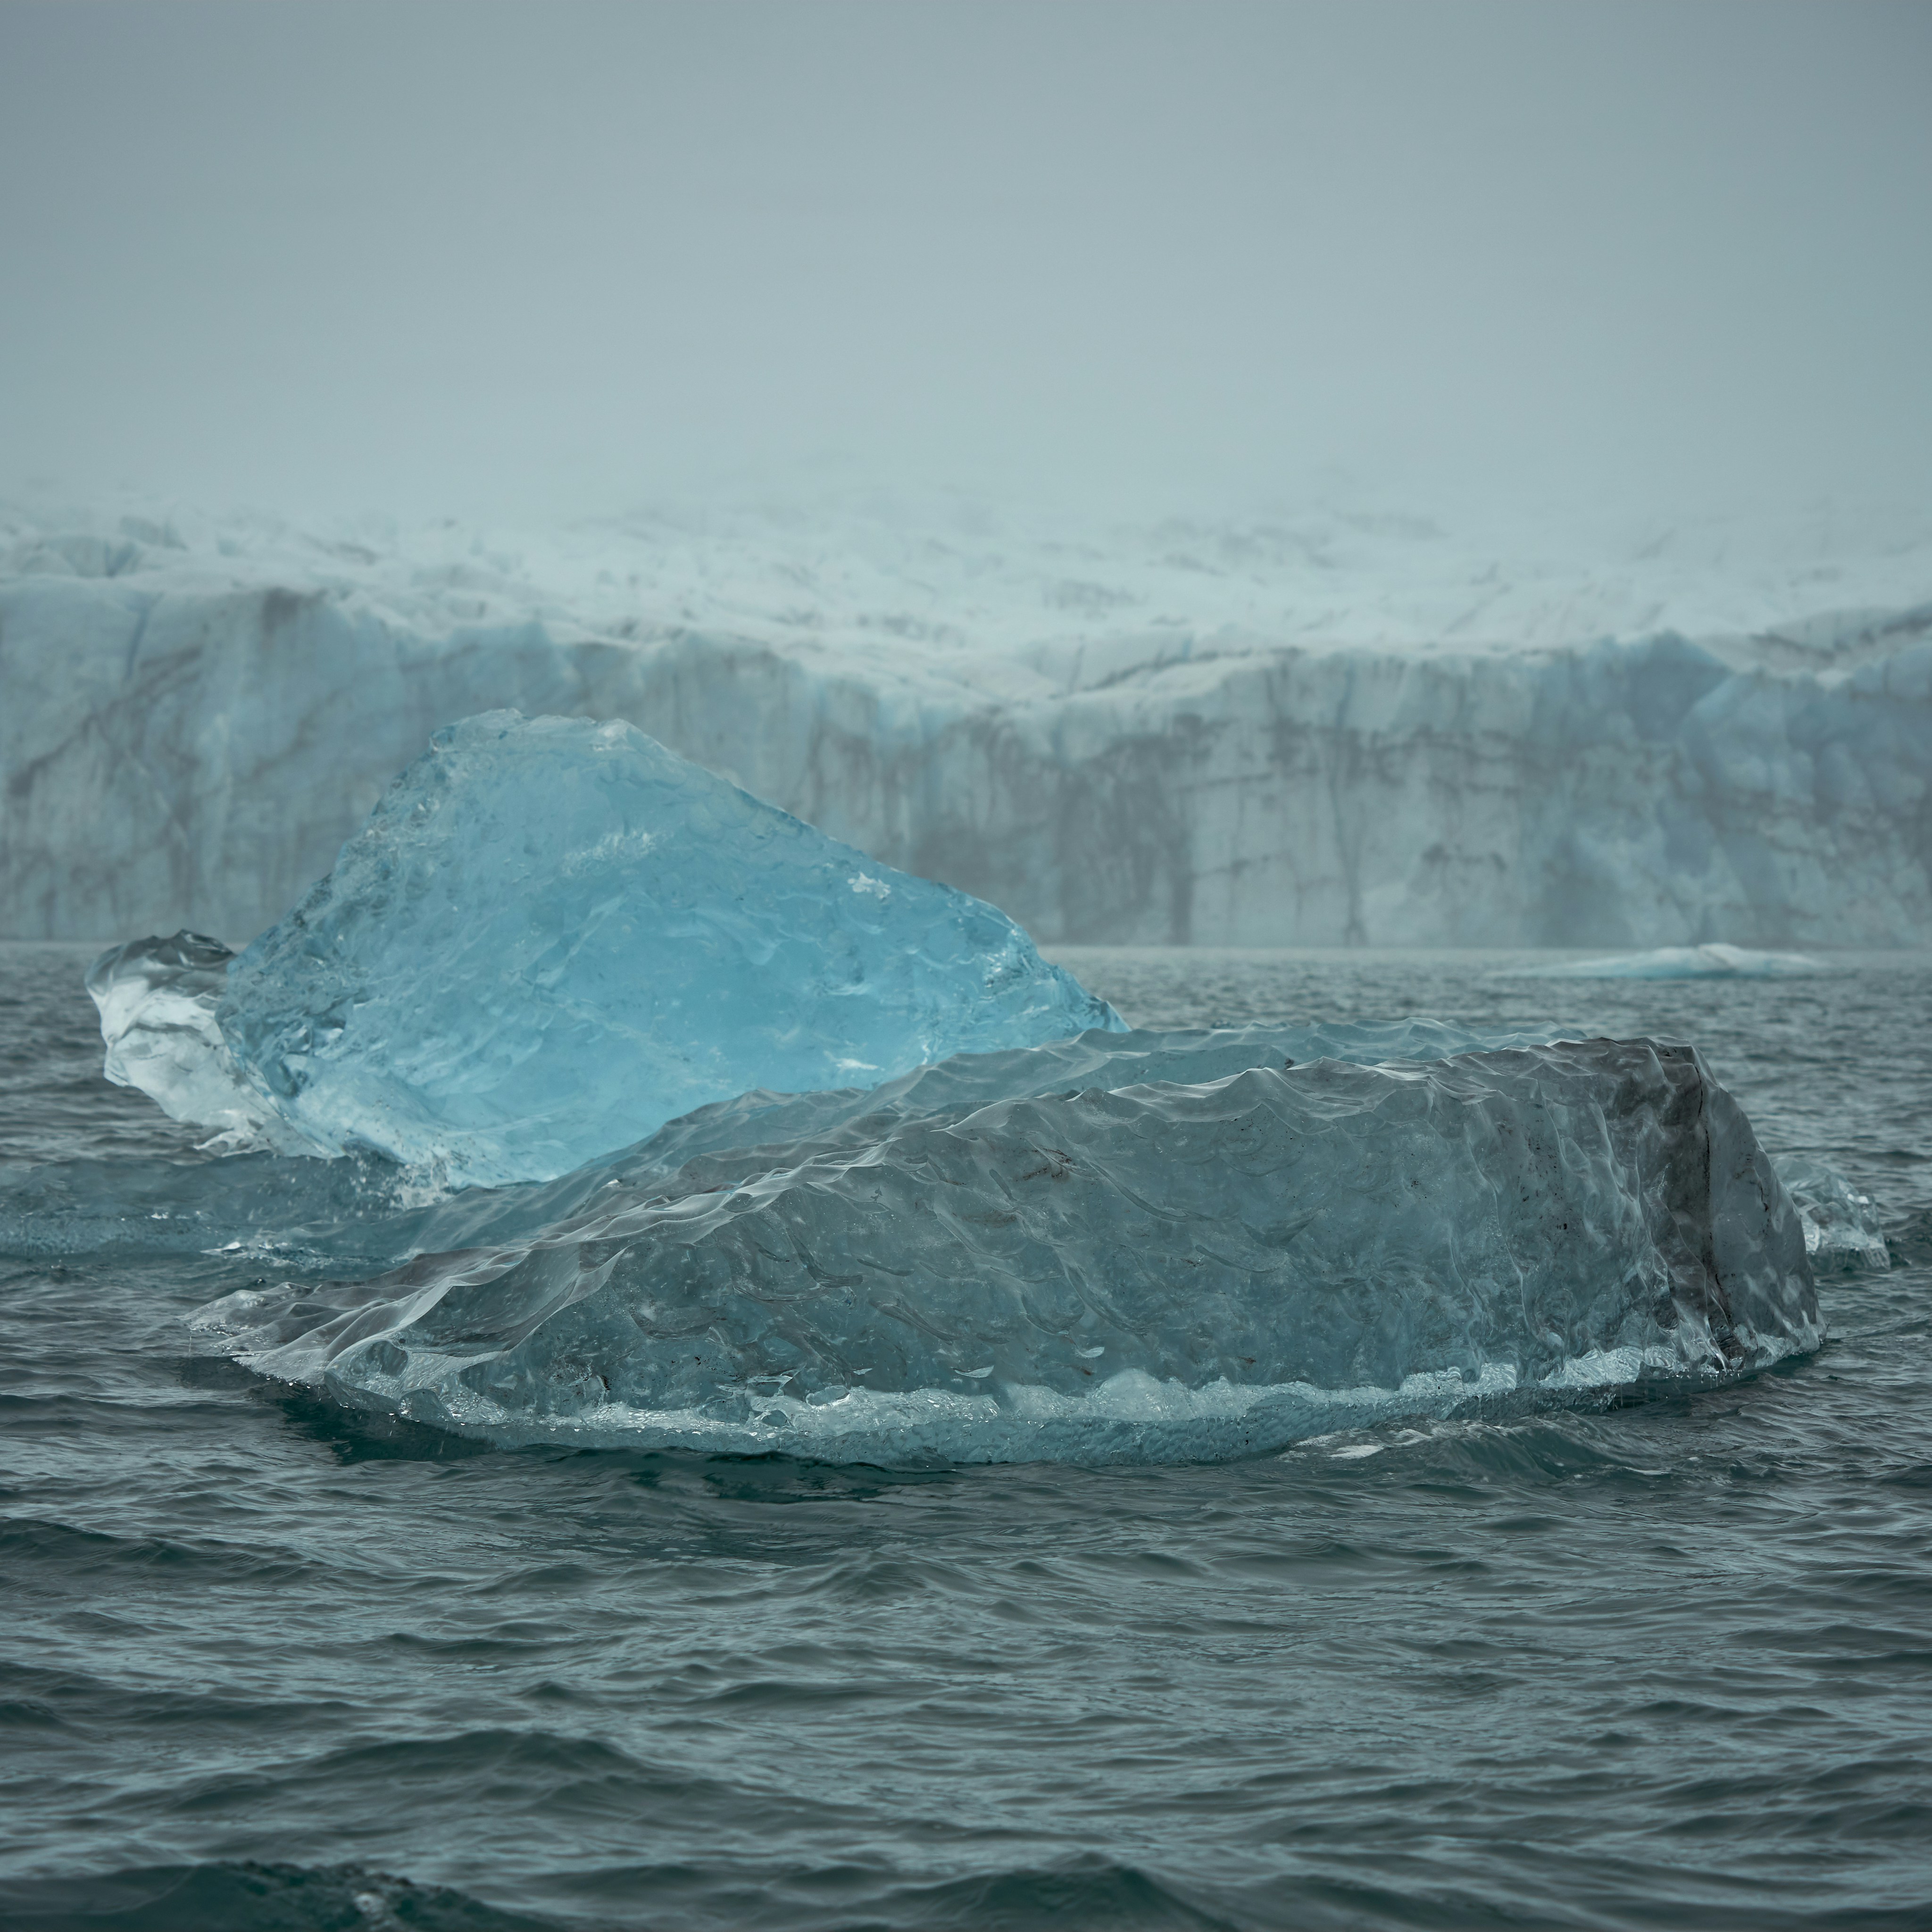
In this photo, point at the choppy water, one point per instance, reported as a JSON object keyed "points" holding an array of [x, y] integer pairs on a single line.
{"points": [[265, 1663]]}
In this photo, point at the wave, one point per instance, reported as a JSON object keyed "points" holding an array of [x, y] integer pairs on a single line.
{"points": [[244, 1896]]}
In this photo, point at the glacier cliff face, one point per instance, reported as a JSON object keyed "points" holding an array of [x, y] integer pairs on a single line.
{"points": [[189, 736]]}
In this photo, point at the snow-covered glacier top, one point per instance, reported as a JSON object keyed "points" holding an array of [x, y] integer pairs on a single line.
{"points": [[955, 598]]}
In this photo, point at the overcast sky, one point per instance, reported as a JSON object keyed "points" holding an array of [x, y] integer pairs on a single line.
{"points": [[553, 258]]}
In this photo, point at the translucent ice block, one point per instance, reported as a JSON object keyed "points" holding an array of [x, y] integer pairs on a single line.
{"points": [[554, 935]]}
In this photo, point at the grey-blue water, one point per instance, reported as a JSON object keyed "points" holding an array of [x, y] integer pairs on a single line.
{"points": [[263, 1663]]}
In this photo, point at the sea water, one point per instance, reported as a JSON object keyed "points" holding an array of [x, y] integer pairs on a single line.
{"points": [[265, 1662]]}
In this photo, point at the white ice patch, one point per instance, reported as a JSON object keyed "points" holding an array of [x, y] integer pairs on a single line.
{"points": [[1676, 962], [156, 1000]]}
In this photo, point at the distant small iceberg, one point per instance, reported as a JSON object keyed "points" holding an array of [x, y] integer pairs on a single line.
{"points": [[1676, 962]]}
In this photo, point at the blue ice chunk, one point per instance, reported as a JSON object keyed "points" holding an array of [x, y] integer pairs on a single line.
{"points": [[1168, 1269], [554, 935]]}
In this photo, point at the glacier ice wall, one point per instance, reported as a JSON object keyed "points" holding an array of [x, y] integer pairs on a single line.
{"points": [[554, 935], [188, 739], [1171, 1268]]}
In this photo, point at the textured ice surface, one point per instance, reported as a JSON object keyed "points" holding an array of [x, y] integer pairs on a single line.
{"points": [[952, 1088], [156, 998], [1842, 1225], [363, 1213], [1173, 1268], [554, 935], [1678, 962]]}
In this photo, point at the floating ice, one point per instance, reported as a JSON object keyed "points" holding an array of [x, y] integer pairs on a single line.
{"points": [[551, 937], [1172, 1269], [799, 1124], [362, 1215], [1842, 1224], [1678, 962], [157, 999]]}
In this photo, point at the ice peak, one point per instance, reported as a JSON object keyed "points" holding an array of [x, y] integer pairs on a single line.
{"points": [[553, 935]]}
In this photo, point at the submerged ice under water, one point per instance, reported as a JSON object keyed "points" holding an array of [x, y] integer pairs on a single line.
{"points": [[1652, 1657]]}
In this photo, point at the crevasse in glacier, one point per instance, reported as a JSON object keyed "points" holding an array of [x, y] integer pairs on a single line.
{"points": [[552, 936], [1170, 1268]]}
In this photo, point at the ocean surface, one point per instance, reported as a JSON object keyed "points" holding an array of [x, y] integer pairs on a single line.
{"points": [[1655, 1663]]}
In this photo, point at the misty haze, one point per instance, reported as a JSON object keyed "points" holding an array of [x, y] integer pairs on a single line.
{"points": [[964, 963], [1248, 480]]}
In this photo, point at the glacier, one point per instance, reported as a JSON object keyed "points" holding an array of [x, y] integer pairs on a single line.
{"points": [[1162, 1268], [1323, 728], [552, 936]]}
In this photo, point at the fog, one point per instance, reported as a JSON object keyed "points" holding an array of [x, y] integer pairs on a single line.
{"points": [[548, 259]]}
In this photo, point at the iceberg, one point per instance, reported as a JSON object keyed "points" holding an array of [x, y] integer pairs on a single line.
{"points": [[1844, 1225], [1163, 1269], [157, 999], [552, 936], [361, 1214], [1677, 962]]}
